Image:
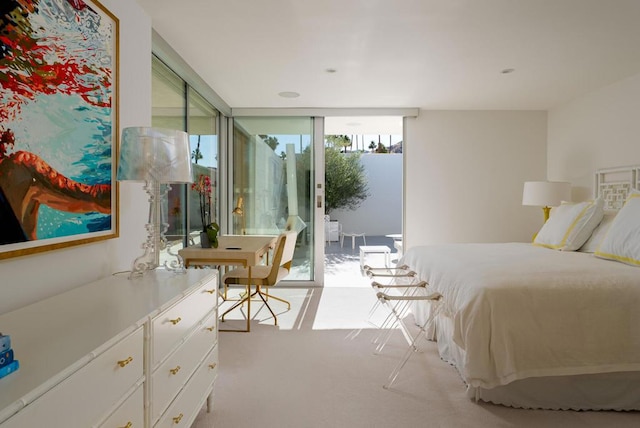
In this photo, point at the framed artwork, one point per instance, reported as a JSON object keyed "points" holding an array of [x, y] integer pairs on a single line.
{"points": [[58, 124]]}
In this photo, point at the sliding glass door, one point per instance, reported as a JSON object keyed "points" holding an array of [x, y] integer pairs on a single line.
{"points": [[273, 181]]}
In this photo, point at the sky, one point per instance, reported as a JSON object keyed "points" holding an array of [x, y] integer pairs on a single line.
{"points": [[209, 144]]}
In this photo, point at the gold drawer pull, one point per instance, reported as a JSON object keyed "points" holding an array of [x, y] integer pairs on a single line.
{"points": [[176, 321], [175, 371], [178, 418], [212, 366], [123, 363], [210, 291], [128, 425], [211, 328]]}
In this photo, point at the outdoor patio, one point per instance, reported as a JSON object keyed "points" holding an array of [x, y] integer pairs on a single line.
{"points": [[342, 264]]}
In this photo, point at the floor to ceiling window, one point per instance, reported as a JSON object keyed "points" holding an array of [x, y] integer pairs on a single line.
{"points": [[202, 128], [273, 181], [175, 105]]}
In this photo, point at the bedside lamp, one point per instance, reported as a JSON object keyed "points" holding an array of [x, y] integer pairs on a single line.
{"points": [[546, 194], [154, 156]]}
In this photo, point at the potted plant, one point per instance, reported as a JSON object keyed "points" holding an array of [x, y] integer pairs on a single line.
{"points": [[209, 234]]}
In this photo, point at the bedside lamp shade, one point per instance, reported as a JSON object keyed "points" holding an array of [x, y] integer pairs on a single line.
{"points": [[546, 194]]}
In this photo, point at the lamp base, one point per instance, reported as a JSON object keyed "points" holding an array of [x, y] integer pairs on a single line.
{"points": [[142, 264], [546, 211], [156, 240]]}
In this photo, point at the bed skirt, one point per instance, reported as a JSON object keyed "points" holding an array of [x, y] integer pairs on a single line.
{"points": [[601, 391]]}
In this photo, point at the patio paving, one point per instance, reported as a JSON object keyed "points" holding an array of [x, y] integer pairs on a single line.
{"points": [[342, 264]]}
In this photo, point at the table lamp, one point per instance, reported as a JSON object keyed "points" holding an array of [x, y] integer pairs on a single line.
{"points": [[239, 211], [546, 194], [155, 156]]}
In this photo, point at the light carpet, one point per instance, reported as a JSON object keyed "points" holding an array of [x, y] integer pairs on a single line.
{"points": [[312, 372]]}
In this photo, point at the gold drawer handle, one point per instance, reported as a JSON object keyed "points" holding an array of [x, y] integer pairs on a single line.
{"points": [[210, 291], [123, 363], [211, 328], [176, 321], [175, 371], [128, 425], [178, 418], [212, 366]]}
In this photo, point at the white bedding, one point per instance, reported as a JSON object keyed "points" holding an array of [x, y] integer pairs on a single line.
{"points": [[521, 311]]}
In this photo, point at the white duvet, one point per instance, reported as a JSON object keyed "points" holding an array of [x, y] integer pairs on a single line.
{"points": [[521, 311]]}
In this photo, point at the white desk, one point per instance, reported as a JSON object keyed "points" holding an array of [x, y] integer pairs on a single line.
{"points": [[233, 250]]}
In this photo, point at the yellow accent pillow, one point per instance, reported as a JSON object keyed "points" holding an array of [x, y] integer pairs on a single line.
{"points": [[570, 225], [622, 242]]}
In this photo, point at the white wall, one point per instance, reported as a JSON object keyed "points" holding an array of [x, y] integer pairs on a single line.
{"points": [[30, 278], [381, 213], [598, 130], [465, 172]]}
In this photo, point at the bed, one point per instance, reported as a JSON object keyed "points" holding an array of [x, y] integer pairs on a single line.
{"points": [[529, 326]]}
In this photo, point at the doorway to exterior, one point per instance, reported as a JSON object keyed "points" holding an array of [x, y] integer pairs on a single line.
{"points": [[352, 221], [272, 183], [269, 151]]}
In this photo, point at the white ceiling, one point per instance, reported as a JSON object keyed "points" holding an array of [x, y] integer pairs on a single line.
{"points": [[433, 54]]}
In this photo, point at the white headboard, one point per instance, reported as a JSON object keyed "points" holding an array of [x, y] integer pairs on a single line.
{"points": [[614, 184]]}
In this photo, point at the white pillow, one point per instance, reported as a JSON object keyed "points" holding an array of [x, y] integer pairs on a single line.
{"points": [[570, 225], [599, 233], [622, 242]]}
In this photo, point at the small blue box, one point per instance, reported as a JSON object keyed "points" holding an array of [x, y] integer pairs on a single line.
{"points": [[12, 367], [6, 357], [5, 342]]}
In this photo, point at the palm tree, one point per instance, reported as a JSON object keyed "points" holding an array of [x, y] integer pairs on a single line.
{"points": [[339, 141], [196, 155]]}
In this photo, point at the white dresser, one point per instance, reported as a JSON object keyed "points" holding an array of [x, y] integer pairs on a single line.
{"points": [[115, 353]]}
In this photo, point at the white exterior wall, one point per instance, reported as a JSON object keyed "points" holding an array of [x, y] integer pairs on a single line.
{"points": [[598, 130], [465, 172], [31, 278], [381, 212]]}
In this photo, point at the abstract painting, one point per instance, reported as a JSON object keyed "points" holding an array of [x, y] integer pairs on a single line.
{"points": [[58, 124]]}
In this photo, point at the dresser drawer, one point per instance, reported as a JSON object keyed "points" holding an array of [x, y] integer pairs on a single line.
{"points": [[174, 372], [85, 396], [174, 324], [130, 414], [185, 408]]}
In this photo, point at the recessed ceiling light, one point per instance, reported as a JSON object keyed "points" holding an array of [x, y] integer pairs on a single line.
{"points": [[289, 94], [331, 70], [508, 70], [354, 124]]}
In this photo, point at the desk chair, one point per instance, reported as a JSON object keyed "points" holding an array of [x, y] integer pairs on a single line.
{"points": [[266, 276]]}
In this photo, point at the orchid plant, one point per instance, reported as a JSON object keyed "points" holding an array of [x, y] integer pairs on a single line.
{"points": [[205, 190]]}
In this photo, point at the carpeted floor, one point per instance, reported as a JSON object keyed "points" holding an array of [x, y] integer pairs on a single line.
{"points": [[312, 372]]}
